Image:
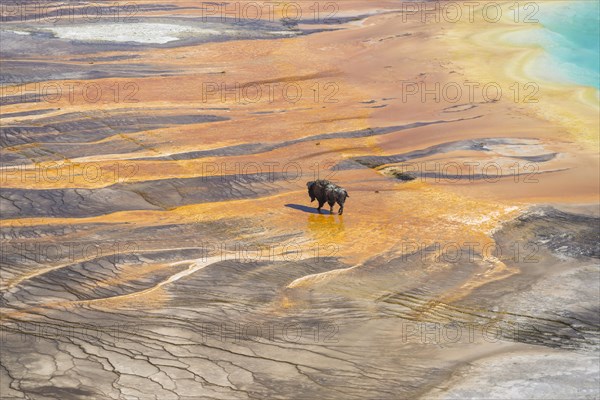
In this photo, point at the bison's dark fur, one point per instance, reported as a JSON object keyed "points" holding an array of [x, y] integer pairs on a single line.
{"points": [[326, 192]]}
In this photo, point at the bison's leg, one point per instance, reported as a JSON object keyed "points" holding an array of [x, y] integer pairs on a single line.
{"points": [[341, 211], [331, 204], [320, 205]]}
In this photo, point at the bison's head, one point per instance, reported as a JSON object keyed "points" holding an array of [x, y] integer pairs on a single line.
{"points": [[311, 193]]}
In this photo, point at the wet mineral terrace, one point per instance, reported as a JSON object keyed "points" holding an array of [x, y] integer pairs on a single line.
{"points": [[158, 241]]}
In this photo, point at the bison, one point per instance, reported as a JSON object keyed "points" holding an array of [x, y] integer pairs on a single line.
{"points": [[326, 192]]}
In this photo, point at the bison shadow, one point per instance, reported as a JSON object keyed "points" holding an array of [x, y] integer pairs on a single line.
{"points": [[307, 209]]}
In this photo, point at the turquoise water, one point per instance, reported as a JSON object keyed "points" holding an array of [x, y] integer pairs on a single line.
{"points": [[570, 35]]}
